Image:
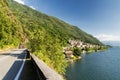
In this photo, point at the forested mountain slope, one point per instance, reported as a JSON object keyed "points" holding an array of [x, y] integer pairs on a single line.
{"points": [[11, 32], [44, 35], [33, 19]]}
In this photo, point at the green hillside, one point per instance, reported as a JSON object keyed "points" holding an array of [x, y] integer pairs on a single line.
{"points": [[33, 19], [44, 35], [11, 32]]}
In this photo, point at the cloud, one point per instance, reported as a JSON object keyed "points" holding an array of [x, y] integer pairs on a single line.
{"points": [[32, 7], [23, 2], [104, 37], [20, 1]]}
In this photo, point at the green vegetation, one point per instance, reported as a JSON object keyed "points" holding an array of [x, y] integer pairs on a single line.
{"points": [[44, 35], [75, 48], [11, 33]]}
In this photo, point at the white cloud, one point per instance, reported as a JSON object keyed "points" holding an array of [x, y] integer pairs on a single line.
{"points": [[23, 2], [32, 7], [104, 37], [20, 1]]}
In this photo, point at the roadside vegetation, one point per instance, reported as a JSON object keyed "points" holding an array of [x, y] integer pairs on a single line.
{"points": [[45, 36]]}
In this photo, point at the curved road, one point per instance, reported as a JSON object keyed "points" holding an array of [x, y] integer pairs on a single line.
{"points": [[11, 64]]}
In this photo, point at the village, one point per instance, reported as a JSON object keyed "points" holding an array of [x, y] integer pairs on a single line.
{"points": [[77, 47]]}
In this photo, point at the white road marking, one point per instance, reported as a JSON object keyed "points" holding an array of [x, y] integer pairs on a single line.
{"points": [[19, 73]]}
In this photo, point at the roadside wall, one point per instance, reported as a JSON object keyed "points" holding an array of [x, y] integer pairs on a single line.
{"points": [[47, 72]]}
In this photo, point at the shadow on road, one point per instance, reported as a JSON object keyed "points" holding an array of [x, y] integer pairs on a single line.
{"points": [[19, 56], [11, 74], [29, 72]]}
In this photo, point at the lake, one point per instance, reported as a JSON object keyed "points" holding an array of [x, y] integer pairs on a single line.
{"points": [[96, 66]]}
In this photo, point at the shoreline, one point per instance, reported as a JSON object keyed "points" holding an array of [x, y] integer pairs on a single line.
{"points": [[71, 60]]}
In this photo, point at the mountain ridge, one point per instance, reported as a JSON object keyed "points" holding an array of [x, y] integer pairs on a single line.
{"points": [[57, 21], [42, 34]]}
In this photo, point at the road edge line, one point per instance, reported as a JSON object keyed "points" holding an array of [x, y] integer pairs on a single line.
{"points": [[19, 73]]}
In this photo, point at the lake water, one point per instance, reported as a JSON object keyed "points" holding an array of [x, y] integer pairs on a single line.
{"points": [[96, 66]]}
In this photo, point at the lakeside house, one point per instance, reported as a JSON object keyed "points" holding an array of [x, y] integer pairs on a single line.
{"points": [[69, 54], [69, 50]]}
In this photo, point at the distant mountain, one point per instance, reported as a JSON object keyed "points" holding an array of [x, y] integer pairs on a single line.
{"points": [[44, 35], [112, 43]]}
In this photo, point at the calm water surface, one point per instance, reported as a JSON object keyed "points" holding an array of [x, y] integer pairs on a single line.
{"points": [[96, 66]]}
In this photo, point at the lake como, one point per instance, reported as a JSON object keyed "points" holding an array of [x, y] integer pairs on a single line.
{"points": [[103, 65]]}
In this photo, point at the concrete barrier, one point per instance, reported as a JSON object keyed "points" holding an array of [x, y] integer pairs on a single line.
{"points": [[45, 71]]}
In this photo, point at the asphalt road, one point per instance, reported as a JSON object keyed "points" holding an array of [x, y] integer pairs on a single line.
{"points": [[11, 64]]}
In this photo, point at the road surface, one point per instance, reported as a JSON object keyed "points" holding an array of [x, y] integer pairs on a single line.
{"points": [[11, 64]]}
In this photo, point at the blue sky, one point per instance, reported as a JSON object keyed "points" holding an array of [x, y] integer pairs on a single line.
{"points": [[101, 18]]}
